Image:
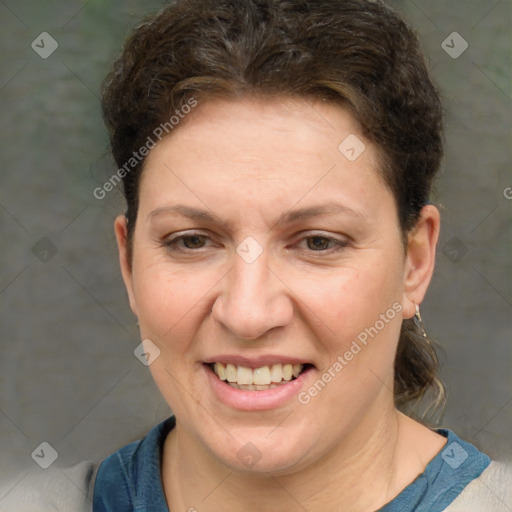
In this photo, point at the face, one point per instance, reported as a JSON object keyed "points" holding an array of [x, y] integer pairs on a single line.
{"points": [[262, 246]]}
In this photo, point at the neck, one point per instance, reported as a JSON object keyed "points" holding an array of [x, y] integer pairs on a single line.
{"points": [[363, 472]]}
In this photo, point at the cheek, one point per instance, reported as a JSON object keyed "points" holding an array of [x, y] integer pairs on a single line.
{"points": [[358, 317], [168, 301], [170, 310], [347, 300]]}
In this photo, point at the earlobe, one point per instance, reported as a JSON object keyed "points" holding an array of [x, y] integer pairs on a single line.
{"points": [[420, 260], [121, 231]]}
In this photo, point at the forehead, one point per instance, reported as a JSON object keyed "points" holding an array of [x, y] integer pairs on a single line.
{"points": [[276, 150], [311, 123]]}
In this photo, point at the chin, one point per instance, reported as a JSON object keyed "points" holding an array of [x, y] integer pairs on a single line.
{"points": [[262, 449]]}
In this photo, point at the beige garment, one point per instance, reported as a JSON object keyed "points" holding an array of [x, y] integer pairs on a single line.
{"points": [[51, 490], [490, 492]]}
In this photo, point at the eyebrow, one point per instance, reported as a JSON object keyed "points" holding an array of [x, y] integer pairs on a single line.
{"points": [[186, 211], [331, 208], [324, 209]]}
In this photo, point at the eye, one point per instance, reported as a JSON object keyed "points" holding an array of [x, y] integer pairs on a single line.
{"points": [[321, 243], [318, 243], [190, 242], [193, 241]]}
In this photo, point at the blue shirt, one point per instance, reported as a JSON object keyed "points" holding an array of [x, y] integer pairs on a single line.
{"points": [[130, 479]]}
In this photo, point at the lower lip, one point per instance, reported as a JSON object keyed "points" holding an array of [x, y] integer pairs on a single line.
{"points": [[256, 400]]}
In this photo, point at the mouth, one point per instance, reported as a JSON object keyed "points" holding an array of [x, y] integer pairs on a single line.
{"points": [[257, 379]]}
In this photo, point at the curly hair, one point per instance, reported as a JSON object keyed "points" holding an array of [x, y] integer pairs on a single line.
{"points": [[359, 54]]}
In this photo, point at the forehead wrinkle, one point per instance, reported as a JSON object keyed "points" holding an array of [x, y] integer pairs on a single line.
{"points": [[289, 217]]}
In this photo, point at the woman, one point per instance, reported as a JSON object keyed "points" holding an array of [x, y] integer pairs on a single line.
{"points": [[277, 244], [277, 159]]}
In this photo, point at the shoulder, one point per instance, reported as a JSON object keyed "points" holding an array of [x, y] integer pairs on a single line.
{"points": [[492, 490], [131, 476], [116, 476], [57, 489], [77, 488]]}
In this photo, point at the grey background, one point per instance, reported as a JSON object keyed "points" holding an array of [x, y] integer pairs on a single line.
{"points": [[68, 375]]}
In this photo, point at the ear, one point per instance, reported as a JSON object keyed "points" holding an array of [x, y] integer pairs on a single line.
{"points": [[420, 259], [120, 228]]}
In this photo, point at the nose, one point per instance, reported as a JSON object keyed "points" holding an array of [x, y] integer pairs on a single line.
{"points": [[253, 299]]}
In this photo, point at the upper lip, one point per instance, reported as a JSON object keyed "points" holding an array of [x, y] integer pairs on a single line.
{"points": [[255, 362]]}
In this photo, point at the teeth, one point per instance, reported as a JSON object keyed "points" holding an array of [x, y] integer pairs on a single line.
{"points": [[262, 376], [252, 387], [241, 377], [244, 375], [230, 372], [276, 373], [220, 370]]}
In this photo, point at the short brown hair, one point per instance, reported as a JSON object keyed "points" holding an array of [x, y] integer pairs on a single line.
{"points": [[357, 53]]}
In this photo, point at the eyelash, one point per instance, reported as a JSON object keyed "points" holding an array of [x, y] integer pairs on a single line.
{"points": [[171, 244]]}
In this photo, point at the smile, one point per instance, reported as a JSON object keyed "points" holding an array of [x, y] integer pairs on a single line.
{"points": [[256, 384], [257, 379]]}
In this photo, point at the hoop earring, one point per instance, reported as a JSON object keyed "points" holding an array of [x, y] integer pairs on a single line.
{"points": [[419, 321]]}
